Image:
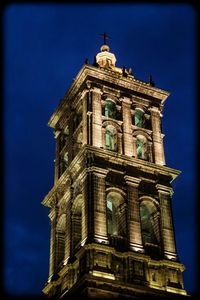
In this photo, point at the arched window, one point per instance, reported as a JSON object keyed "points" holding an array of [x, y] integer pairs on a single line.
{"points": [[77, 222], [110, 109], [111, 138], [60, 239], [139, 118], [149, 223], [141, 147], [116, 222]]}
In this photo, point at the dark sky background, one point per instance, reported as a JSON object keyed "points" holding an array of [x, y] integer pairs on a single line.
{"points": [[44, 47]]}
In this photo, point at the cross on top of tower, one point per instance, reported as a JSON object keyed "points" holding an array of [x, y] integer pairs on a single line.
{"points": [[105, 37]]}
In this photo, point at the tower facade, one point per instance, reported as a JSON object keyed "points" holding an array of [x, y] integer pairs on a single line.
{"points": [[112, 231]]}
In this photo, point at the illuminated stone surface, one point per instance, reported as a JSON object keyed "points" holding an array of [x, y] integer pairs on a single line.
{"points": [[110, 207]]}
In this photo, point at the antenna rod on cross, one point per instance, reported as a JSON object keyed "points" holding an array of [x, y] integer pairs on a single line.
{"points": [[105, 37]]}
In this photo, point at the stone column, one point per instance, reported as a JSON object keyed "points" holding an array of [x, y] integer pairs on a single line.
{"points": [[134, 147], [68, 227], [52, 258], [89, 103], [100, 218], [57, 158], [127, 131], [167, 228], [157, 137], [133, 217], [97, 118], [84, 121], [84, 209], [119, 143]]}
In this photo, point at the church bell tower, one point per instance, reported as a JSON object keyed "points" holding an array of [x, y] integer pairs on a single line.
{"points": [[112, 231]]}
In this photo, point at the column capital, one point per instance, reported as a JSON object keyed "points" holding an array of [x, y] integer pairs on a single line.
{"points": [[98, 171], [164, 189], [155, 110], [56, 133], [125, 100], [132, 180], [96, 89]]}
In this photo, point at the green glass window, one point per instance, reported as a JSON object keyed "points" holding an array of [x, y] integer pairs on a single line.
{"points": [[110, 109], [111, 218], [116, 218], [141, 147], [149, 223], [139, 118], [111, 138]]}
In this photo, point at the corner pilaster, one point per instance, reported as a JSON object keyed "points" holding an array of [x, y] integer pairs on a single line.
{"points": [[133, 216], [157, 137], [127, 132], [167, 227], [52, 259]]}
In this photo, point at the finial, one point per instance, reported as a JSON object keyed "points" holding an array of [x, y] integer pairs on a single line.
{"points": [[105, 59], [151, 82], [86, 61], [104, 47], [105, 37]]}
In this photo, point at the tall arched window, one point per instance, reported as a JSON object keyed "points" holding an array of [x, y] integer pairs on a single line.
{"points": [[60, 239], [110, 109], [139, 117], [141, 147], [116, 221], [150, 224], [111, 138], [77, 222]]}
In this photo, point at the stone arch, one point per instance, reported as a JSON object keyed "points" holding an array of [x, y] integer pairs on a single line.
{"points": [[113, 123], [142, 132]]}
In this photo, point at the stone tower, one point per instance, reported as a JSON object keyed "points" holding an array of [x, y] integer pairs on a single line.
{"points": [[112, 231]]}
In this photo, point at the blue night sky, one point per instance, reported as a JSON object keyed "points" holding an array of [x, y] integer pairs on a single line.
{"points": [[44, 47]]}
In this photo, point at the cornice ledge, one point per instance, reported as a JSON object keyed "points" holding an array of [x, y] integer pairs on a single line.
{"points": [[57, 191]]}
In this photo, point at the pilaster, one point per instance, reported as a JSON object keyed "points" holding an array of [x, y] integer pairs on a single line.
{"points": [[84, 120], [57, 159], [100, 219], [68, 226], [133, 214], [127, 132], [97, 118], [52, 259], [167, 228], [84, 208], [157, 137]]}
